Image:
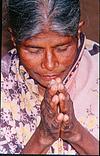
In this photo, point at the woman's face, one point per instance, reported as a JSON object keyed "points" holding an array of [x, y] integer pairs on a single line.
{"points": [[47, 56]]}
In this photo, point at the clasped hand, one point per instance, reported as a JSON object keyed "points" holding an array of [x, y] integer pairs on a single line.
{"points": [[57, 113]]}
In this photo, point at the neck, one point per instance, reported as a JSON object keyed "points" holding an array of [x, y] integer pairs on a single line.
{"points": [[41, 90]]}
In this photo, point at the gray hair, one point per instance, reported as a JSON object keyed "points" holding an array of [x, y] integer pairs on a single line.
{"points": [[30, 17]]}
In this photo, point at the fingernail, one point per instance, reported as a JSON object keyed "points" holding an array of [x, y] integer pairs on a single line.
{"points": [[60, 87], [58, 80], [52, 82], [55, 99], [60, 117], [66, 117], [54, 87], [61, 96]]}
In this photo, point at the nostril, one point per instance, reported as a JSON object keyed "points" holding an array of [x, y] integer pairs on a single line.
{"points": [[42, 65], [56, 64]]}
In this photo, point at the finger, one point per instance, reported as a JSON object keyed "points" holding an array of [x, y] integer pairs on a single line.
{"points": [[61, 88], [50, 91], [58, 80], [52, 106], [56, 123], [68, 102], [51, 83], [63, 107], [56, 86], [60, 117], [66, 118], [66, 123], [60, 84], [54, 102], [67, 97], [53, 88]]}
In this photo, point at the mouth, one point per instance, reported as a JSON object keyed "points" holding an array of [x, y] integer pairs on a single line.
{"points": [[49, 77]]}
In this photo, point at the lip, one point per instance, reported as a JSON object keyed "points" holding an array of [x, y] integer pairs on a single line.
{"points": [[49, 77]]}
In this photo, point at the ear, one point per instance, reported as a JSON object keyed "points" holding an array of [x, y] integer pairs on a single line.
{"points": [[12, 37], [80, 27]]}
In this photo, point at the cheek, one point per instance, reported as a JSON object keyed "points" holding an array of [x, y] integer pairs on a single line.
{"points": [[29, 61], [68, 58]]}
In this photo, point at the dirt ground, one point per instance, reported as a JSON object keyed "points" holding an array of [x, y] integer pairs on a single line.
{"points": [[90, 13]]}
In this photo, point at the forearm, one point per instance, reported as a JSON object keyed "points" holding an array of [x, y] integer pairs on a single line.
{"points": [[36, 145], [83, 142]]}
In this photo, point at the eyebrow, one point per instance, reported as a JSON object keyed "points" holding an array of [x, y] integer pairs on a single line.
{"points": [[37, 46], [60, 44], [32, 46]]}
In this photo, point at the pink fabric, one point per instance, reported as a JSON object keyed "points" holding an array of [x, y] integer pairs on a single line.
{"points": [[83, 89]]}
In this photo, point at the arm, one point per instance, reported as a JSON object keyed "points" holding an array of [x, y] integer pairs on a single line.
{"points": [[72, 131], [75, 134], [37, 144], [83, 142], [48, 130]]}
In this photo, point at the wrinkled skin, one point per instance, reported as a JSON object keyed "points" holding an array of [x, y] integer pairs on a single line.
{"points": [[48, 56], [57, 123]]}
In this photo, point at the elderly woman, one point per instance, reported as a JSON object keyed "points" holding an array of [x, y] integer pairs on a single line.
{"points": [[49, 81]]}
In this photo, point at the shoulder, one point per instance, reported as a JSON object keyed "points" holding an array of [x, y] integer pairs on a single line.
{"points": [[91, 55], [88, 68], [92, 47], [86, 101], [6, 61]]}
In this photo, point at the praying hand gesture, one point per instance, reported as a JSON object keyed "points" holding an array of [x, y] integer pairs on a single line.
{"points": [[57, 114], [58, 121]]}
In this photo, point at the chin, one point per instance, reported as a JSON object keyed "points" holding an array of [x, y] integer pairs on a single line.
{"points": [[41, 83], [44, 84]]}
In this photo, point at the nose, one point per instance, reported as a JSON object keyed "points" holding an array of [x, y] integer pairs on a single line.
{"points": [[50, 61]]}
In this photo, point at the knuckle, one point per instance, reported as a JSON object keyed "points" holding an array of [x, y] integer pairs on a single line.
{"points": [[55, 99]]}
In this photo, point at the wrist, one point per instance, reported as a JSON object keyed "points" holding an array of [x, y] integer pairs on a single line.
{"points": [[73, 133], [43, 139], [76, 133], [82, 140], [37, 144]]}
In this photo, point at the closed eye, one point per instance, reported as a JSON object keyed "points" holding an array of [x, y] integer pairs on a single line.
{"points": [[34, 49], [62, 48]]}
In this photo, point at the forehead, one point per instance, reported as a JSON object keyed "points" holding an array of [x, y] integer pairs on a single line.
{"points": [[49, 37]]}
